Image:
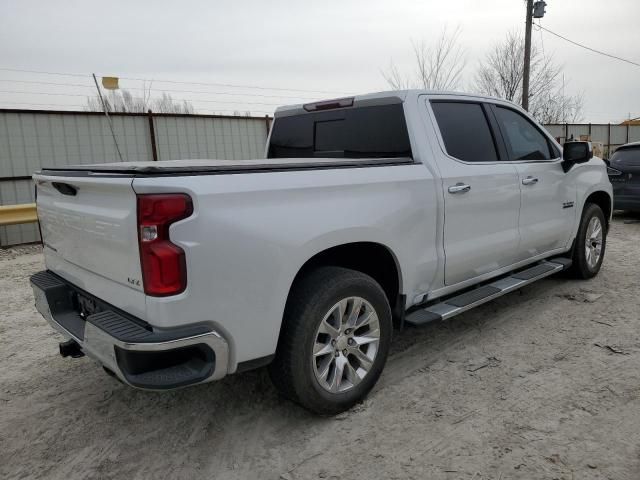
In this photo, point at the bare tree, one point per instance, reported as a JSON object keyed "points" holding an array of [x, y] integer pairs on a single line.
{"points": [[501, 72], [558, 108], [124, 101], [438, 66]]}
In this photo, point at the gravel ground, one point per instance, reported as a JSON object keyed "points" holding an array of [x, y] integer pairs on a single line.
{"points": [[544, 383]]}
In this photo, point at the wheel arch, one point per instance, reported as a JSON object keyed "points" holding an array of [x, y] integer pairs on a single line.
{"points": [[604, 201], [598, 197], [371, 258]]}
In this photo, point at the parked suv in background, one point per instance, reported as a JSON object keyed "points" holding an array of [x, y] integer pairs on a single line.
{"points": [[624, 174], [412, 205]]}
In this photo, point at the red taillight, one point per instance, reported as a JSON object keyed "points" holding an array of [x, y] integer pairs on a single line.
{"points": [[164, 269]]}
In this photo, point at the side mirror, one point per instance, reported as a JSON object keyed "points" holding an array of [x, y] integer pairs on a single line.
{"points": [[575, 152]]}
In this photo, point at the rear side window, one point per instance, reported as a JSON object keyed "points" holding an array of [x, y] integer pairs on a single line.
{"points": [[524, 140], [465, 131], [360, 132], [626, 157]]}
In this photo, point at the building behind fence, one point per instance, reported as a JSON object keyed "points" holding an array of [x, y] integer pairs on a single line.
{"points": [[31, 140]]}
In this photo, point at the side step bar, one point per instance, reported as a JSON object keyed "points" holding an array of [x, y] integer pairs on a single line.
{"points": [[487, 292]]}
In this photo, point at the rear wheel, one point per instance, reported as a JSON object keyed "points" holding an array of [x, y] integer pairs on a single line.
{"points": [[590, 244], [334, 340]]}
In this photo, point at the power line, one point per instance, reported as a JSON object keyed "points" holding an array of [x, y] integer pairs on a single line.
{"points": [[170, 90], [40, 72], [589, 48], [48, 93], [180, 99], [66, 105], [230, 85], [36, 82], [44, 104]]}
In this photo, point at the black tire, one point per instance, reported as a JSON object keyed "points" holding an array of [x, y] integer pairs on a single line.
{"points": [[312, 297], [581, 267]]}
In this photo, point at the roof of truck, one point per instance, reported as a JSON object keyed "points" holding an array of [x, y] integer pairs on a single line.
{"points": [[381, 98]]}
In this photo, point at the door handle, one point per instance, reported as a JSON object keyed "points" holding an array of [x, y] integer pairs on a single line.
{"points": [[529, 181], [65, 188], [459, 188]]}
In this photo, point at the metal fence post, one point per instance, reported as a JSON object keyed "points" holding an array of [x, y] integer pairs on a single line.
{"points": [[152, 136], [627, 133], [267, 123]]}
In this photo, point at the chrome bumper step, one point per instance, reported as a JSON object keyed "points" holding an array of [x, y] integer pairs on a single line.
{"points": [[486, 292]]}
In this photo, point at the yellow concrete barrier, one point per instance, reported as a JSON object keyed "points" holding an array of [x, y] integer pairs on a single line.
{"points": [[16, 214]]}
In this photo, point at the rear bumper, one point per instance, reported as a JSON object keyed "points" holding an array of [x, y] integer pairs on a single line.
{"points": [[138, 354]]}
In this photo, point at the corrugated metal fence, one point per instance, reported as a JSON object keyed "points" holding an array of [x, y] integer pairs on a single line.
{"points": [[611, 136], [30, 140]]}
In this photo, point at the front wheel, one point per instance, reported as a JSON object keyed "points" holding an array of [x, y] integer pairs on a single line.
{"points": [[590, 243], [334, 340]]}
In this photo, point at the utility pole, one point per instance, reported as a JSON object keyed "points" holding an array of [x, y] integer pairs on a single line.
{"points": [[534, 10], [527, 56]]}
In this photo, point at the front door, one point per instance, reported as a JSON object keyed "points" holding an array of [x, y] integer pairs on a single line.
{"points": [[548, 198], [481, 192]]}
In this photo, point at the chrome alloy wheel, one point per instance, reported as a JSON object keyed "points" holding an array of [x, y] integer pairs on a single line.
{"points": [[593, 242], [346, 344]]}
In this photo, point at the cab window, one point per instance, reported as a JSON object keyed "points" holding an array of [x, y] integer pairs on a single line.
{"points": [[524, 140], [465, 131]]}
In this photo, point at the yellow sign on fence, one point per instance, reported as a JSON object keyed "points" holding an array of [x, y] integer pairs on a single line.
{"points": [[110, 83]]}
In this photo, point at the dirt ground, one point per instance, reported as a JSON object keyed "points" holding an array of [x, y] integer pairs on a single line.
{"points": [[540, 384]]}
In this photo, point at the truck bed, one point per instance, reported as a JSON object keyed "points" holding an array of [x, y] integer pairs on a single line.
{"points": [[213, 167]]}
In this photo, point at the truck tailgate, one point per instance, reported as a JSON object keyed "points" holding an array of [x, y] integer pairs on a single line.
{"points": [[89, 232]]}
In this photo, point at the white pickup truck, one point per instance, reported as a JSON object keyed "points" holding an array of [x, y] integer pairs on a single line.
{"points": [[408, 206]]}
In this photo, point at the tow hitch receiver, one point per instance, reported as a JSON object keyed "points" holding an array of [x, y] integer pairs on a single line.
{"points": [[70, 348]]}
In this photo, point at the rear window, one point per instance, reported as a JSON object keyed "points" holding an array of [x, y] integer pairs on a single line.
{"points": [[465, 131], [360, 132], [627, 157]]}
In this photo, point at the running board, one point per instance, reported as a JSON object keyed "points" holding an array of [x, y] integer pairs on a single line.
{"points": [[487, 292]]}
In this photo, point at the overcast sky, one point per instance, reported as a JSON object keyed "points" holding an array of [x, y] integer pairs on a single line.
{"points": [[329, 46]]}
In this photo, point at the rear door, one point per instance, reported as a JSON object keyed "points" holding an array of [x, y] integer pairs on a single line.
{"points": [[482, 195], [548, 195]]}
